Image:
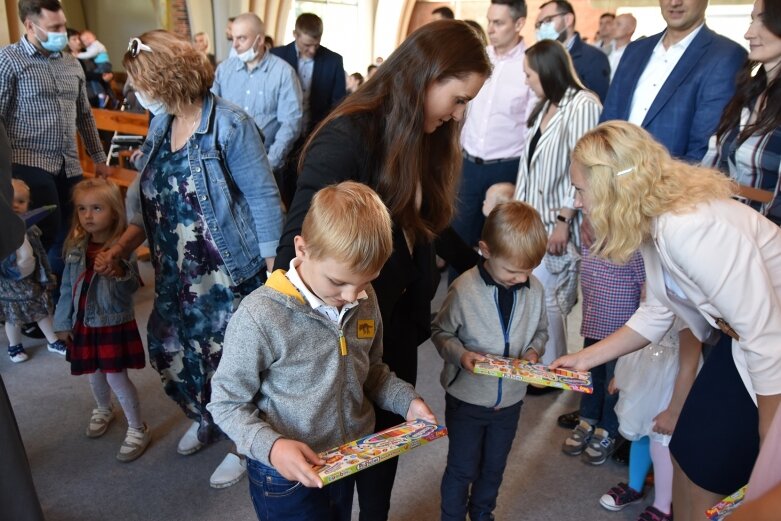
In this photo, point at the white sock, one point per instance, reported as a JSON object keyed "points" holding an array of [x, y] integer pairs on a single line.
{"points": [[100, 389], [128, 397]]}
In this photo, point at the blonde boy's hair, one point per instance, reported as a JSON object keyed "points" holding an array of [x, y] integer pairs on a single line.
{"points": [[631, 180], [514, 230], [18, 183], [348, 222], [497, 193], [111, 196]]}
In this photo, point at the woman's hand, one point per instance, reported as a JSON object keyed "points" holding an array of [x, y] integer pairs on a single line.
{"points": [[557, 242], [575, 362], [107, 262]]}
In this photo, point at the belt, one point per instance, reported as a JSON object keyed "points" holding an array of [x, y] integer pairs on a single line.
{"points": [[481, 161]]}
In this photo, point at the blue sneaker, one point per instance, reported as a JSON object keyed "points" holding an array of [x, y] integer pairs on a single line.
{"points": [[58, 347], [17, 353]]}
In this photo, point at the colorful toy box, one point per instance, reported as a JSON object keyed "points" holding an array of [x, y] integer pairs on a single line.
{"points": [[525, 371]]}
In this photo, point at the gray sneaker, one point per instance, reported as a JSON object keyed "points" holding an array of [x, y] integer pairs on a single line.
{"points": [[599, 448], [578, 439]]}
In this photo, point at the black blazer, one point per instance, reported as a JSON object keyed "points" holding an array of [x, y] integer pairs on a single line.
{"points": [[407, 282], [592, 67], [328, 80]]}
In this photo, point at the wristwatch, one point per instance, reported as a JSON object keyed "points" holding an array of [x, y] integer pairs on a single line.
{"points": [[565, 220]]}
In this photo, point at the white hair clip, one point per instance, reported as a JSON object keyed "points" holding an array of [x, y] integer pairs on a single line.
{"points": [[625, 171]]}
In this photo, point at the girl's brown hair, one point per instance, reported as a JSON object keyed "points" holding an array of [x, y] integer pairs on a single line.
{"points": [[394, 100], [111, 196]]}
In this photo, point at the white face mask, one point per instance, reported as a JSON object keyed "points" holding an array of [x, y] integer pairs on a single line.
{"points": [[250, 54], [547, 31], [154, 106]]}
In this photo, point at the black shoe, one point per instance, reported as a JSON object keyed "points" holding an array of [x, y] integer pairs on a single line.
{"points": [[569, 420], [32, 330], [538, 391], [621, 453]]}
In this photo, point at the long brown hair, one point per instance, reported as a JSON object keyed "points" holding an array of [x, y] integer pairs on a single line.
{"points": [[394, 100], [551, 61], [749, 88]]}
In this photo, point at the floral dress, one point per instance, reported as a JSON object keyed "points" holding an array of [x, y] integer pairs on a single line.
{"points": [[194, 294], [28, 299]]}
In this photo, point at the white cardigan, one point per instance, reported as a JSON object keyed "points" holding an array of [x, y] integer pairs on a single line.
{"points": [[726, 258]]}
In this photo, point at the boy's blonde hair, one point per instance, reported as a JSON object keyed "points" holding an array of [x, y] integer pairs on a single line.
{"points": [[111, 196], [348, 222], [514, 230], [631, 180]]}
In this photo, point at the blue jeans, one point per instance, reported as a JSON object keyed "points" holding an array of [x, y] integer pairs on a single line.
{"points": [[278, 499], [480, 441], [599, 408], [475, 181]]}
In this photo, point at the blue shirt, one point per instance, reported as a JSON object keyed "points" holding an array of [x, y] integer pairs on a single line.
{"points": [[271, 94]]}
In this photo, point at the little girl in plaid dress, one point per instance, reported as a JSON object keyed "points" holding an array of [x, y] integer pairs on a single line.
{"points": [[95, 313]]}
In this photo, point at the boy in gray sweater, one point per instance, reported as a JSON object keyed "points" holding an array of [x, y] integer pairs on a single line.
{"points": [[497, 307], [302, 359]]}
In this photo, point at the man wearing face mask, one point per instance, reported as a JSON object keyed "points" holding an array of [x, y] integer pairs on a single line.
{"points": [[265, 86], [556, 21], [43, 102]]}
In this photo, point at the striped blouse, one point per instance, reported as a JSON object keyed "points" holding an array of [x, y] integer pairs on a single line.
{"points": [[756, 163], [544, 181]]}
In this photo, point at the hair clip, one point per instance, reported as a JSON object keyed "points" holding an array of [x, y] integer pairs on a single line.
{"points": [[625, 171]]}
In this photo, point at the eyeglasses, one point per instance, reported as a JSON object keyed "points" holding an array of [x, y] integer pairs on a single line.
{"points": [[135, 46], [547, 19]]}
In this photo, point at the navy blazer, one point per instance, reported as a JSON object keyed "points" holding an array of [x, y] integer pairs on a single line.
{"points": [[685, 113], [592, 67], [328, 80]]}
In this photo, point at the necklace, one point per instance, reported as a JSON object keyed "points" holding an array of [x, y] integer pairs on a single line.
{"points": [[183, 136]]}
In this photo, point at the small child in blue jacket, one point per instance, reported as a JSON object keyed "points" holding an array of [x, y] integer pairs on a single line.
{"points": [[497, 307]]}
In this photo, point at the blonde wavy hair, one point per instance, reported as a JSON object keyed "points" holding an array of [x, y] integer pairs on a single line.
{"points": [[174, 73], [631, 179], [109, 195]]}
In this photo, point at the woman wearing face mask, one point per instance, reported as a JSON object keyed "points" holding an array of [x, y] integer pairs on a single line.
{"points": [[399, 134], [747, 143], [565, 112], [211, 211]]}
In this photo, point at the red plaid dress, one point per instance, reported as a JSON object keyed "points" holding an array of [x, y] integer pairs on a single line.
{"points": [[110, 348]]}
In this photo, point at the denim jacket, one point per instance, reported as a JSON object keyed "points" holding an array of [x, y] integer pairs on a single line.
{"points": [[236, 190], [109, 300]]}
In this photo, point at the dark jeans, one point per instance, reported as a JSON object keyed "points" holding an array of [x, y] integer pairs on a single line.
{"points": [[600, 406], [475, 181], [48, 188], [480, 440], [278, 499]]}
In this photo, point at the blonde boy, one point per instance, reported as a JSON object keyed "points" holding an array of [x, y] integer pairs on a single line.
{"points": [[497, 307], [302, 359]]}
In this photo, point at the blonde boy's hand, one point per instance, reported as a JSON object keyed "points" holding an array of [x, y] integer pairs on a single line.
{"points": [[531, 356], [294, 460], [418, 410], [469, 359]]}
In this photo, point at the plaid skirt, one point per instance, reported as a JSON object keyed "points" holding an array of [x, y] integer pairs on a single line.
{"points": [[110, 349]]}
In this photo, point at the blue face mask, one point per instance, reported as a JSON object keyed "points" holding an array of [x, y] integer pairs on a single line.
{"points": [[55, 42], [154, 106], [547, 31]]}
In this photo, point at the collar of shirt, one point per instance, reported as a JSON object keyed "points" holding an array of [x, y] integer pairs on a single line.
{"points": [[300, 59], [32, 50], [488, 279], [569, 43], [682, 45], [330, 312], [515, 52]]}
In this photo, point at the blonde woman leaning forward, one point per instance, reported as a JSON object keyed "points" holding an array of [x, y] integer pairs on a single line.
{"points": [[709, 260]]}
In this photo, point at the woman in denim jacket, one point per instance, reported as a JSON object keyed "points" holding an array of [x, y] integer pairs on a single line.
{"points": [[208, 204]]}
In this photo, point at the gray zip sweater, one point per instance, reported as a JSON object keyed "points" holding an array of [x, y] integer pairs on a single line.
{"points": [[283, 373], [470, 320]]}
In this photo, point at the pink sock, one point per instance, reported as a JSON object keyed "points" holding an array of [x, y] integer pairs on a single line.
{"points": [[663, 477]]}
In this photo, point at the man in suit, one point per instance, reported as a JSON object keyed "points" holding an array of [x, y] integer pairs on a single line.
{"points": [[676, 84], [556, 21], [323, 82], [320, 69]]}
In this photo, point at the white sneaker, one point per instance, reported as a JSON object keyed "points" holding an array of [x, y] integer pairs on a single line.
{"points": [[229, 472], [136, 442], [189, 443]]}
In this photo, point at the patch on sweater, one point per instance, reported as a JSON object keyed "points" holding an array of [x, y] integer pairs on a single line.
{"points": [[365, 329]]}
